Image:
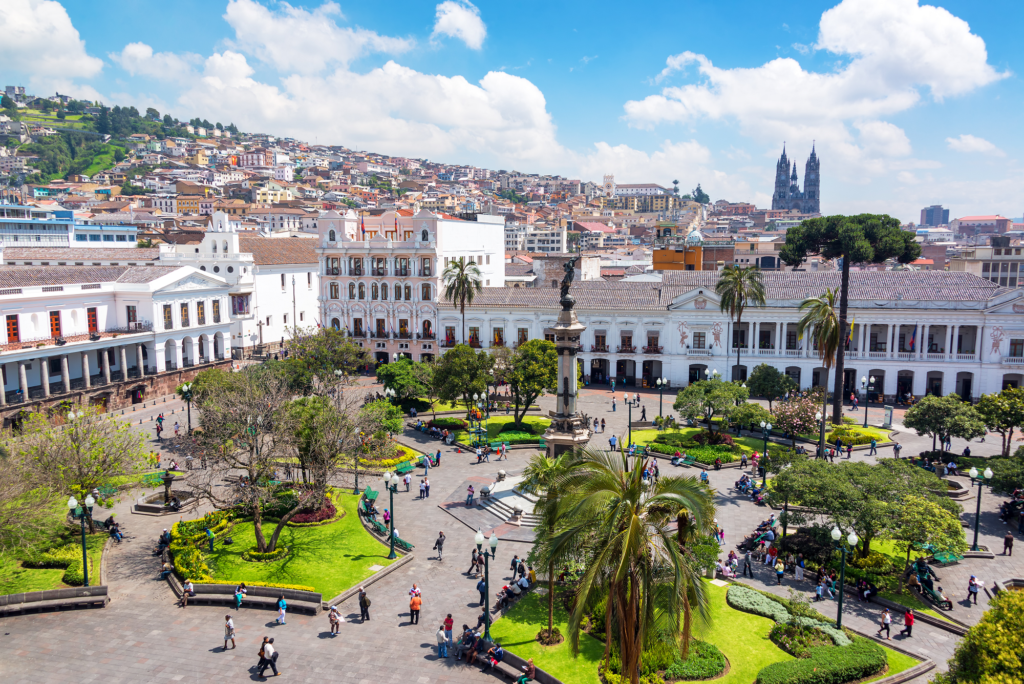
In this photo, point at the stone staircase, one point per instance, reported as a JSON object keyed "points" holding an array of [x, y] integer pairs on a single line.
{"points": [[504, 509]]}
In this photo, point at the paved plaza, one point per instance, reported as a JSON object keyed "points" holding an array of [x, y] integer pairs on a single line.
{"points": [[142, 636]]}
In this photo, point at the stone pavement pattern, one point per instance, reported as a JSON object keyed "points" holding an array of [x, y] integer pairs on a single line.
{"points": [[143, 637]]}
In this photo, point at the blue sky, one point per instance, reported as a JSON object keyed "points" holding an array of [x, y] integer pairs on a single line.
{"points": [[909, 104]]}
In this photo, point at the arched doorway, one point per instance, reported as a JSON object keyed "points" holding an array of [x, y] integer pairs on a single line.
{"points": [[625, 372], [876, 389], [793, 372], [381, 357], [1012, 380], [188, 354], [171, 355], [933, 383], [904, 384], [739, 373], [428, 330], [696, 372], [964, 382], [599, 371], [651, 372]]}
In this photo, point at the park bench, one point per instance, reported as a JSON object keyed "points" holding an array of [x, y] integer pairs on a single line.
{"points": [[936, 598], [53, 599], [370, 494], [379, 527], [404, 468], [365, 508], [946, 558], [687, 460], [256, 597], [402, 544]]}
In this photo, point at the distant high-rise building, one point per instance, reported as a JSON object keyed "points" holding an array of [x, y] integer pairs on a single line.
{"points": [[934, 215], [787, 188]]}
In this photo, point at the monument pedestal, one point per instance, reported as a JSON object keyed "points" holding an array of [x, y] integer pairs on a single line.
{"points": [[569, 429]]}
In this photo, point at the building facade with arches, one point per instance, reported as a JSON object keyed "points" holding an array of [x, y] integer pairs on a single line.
{"points": [[381, 275], [914, 333]]}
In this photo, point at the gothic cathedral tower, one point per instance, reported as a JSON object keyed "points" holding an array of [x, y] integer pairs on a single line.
{"points": [[787, 195], [812, 185]]}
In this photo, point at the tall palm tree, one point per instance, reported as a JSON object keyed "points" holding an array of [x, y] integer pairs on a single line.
{"points": [[461, 285], [634, 557], [540, 479], [820, 313], [740, 287]]}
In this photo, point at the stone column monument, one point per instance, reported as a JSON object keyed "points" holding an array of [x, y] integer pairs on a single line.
{"points": [[569, 429]]}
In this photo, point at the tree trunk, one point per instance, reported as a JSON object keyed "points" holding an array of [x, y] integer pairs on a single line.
{"points": [[257, 523], [462, 308], [837, 400], [303, 501], [551, 598]]}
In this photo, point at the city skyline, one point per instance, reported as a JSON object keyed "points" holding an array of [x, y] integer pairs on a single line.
{"points": [[909, 105]]}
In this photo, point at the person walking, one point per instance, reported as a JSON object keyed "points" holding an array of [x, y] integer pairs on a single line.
{"points": [[426, 486], [746, 565], [437, 459], [884, 626], [176, 428], [269, 657], [514, 566], [442, 643], [408, 481], [229, 632], [364, 605], [874, 447], [643, 414], [415, 602], [908, 623], [282, 608], [449, 623], [473, 564], [334, 617], [602, 425], [439, 545], [1008, 544], [896, 449], [159, 429], [972, 589], [470, 492], [481, 587], [611, 442], [613, 403], [423, 489], [780, 570]]}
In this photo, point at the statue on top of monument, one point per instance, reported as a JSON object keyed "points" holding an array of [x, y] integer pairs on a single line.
{"points": [[570, 272]]}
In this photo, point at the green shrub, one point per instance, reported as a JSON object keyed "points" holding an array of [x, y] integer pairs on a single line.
{"points": [[749, 601], [448, 424], [254, 556], [796, 639], [701, 454], [828, 665], [849, 436], [704, 662], [612, 678], [659, 656], [991, 651], [837, 636], [68, 557]]}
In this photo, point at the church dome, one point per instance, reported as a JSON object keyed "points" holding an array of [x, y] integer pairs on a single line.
{"points": [[694, 238]]}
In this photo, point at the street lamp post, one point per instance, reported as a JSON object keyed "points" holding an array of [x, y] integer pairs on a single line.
{"points": [[766, 430], [821, 437], [977, 513], [864, 383], [852, 540], [391, 483], [186, 394], [493, 542], [661, 383], [85, 511]]}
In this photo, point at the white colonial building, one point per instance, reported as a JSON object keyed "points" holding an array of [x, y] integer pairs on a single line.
{"points": [[106, 335], [913, 332], [382, 274]]}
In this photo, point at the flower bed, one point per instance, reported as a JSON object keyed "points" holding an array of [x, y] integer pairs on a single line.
{"points": [[254, 556], [324, 513]]}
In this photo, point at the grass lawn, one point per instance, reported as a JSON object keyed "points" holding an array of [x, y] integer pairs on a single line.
{"points": [[742, 637], [331, 558], [101, 162], [897, 663], [645, 437], [517, 631], [881, 436], [497, 423], [15, 579]]}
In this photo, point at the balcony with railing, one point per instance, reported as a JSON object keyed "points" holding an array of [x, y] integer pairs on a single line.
{"points": [[474, 343], [626, 349], [698, 352], [403, 336], [599, 348], [653, 349], [1013, 360], [62, 340], [378, 271], [426, 336], [333, 271], [379, 335], [766, 352], [793, 352], [447, 343]]}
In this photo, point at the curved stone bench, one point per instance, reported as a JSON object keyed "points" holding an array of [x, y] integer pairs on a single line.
{"points": [[256, 597], [53, 599]]}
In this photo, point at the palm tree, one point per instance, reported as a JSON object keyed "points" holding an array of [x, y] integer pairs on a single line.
{"points": [[461, 285], [820, 314], [634, 559], [540, 479], [738, 288]]}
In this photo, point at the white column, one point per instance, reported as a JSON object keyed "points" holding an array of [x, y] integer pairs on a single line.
{"points": [[105, 364], [160, 351], [179, 347], [952, 349], [139, 361], [922, 344], [85, 370], [780, 337], [3, 390], [65, 373], [44, 375], [23, 380], [124, 362]]}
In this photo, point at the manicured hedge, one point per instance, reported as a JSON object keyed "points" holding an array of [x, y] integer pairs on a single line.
{"points": [[68, 557], [828, 665], [705, 661], [254, 556], [749, 601], [849, 436], [271, 585], [449, 424]]}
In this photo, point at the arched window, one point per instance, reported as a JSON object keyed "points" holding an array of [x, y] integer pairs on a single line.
{"points": [[398, 293], [335, 291], [336, 324], [214, 246], [331, 236], [374, 291], [384, 291], [425, 295], [225, 246], [362, 290], [424, 236], [408, 293], [351, 290]]}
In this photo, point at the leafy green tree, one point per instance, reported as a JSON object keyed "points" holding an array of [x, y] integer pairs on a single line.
{"points": [[866, 238], [634, 565], [1008, 474], [152, 114], [27, 500], [918, 521], [992, 652], [1003, 413], [461, 285], [705, 399], [168, 120], [750, 413], [326, 350], [532, 370], [769, 382], [7, 103], [796, 417], [461, 373], [739, 288], [119, 154], [700, 196], [402, 377], [943, 417], [819, 315]]}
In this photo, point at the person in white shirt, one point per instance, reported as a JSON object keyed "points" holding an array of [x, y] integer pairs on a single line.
{"points": [[524, 582], [269, 658], [229, 632], [186, 591]]}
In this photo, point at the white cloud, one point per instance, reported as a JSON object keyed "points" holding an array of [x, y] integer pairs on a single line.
{"points": [[893, 49], [295, 39], [460, 20], [970, 143], [139, 59], [39, 39]]}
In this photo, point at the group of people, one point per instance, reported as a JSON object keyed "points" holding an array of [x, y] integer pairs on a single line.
{"points": [[444, 435]]}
